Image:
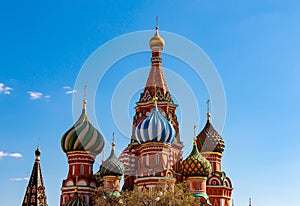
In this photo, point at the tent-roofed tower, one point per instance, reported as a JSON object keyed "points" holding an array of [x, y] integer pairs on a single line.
{"points": [[81, 143], [156, 86], [35, 194]]}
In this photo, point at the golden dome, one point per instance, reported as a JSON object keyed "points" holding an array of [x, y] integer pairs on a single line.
{"points": [[156, 41]]}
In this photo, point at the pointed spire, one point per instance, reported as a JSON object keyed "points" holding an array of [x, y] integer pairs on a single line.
{"points": [[103, 156], [84, 101], [250, 203], [35, 192], [113, 141], [208, 105]]}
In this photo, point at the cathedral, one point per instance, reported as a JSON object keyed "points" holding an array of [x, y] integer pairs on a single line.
{"points": [[153, 154]]}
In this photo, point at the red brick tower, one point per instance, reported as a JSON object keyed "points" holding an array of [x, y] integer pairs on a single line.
{"points": [[81, 143], [156, 86], [211, 145]]}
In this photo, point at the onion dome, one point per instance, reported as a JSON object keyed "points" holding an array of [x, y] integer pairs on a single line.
{"points": [[209, 140], [156, 41], [155, 128], [37, 153], [75, 201], [195, 165], [112, 165], [82, 136]]}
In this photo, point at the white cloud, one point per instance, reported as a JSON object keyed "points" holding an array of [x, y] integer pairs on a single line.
{"points": [[19, 179], [16, 155], [38, 95], [69, 90], [5, 89], [67, 87], [35, 95], [5, 154]]}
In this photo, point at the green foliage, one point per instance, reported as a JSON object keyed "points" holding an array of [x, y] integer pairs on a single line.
{"points": [[165, 193]]}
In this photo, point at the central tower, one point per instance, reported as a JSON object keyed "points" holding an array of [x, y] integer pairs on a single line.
{"points": [[171, 152]]}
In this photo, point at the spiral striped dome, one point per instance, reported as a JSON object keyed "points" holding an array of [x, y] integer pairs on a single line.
{"points": [[112, 166], [75, 201], [195, 165], [155, 128], [209, 140], [82, 136]]}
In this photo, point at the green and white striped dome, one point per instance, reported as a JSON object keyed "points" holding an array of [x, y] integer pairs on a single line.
{"points": [[82, 136]]}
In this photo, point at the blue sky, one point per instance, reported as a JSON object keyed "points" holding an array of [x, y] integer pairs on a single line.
{"points": [[253, 44]]}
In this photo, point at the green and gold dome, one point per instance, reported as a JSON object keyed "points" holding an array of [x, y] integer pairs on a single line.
{"points": [[195, 165], [82, 136]]}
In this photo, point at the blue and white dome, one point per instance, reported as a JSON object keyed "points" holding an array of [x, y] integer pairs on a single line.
{"points": [[155, 128]]}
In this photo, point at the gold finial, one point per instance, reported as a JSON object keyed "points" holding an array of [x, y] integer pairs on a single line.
{"points": [[156, 22], [84, 97], [208, 114], [102, 156], [113, 140], [76, 186], [195, 139], [155, 97], [250, 201]]}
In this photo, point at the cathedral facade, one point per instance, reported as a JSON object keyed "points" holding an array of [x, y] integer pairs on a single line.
{"points": [[153, 154]]}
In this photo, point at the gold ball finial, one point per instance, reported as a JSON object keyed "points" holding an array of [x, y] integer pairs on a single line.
{"points": [[84, 101], [208, 116], [208, 108], [156, 42], [155, 100]]}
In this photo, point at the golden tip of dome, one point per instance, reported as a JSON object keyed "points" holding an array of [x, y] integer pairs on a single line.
{"points": [[155, 100], [208, 116], [156, 41]]}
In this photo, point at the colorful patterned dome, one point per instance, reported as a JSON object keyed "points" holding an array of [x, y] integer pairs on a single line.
{"points": [[156, 41], [82, 136], [111, 166], [155, 128], [208, 140], [195, 165], [75, 201]]}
